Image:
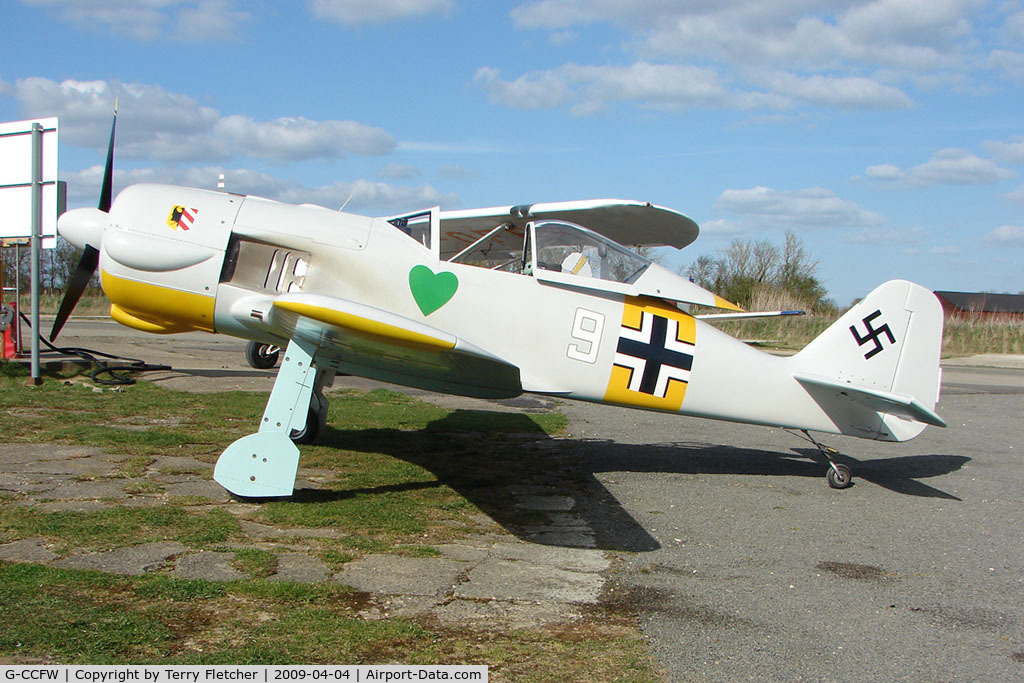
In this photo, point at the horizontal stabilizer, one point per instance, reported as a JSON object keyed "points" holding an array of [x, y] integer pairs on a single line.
{"points": [[880, 401]]}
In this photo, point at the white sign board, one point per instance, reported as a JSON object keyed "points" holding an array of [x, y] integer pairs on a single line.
{"points": [[16, 180]]}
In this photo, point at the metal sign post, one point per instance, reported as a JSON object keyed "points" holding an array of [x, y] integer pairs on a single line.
{"points": [[37, 244]]}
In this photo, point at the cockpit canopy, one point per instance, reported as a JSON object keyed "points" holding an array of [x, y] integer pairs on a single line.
{"points": [[563, 247], [559, 252], [556, 247]]}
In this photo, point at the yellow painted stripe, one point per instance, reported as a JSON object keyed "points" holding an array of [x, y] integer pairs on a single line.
{"points": [[128, 320], [728, 305], [364, 325], [143, 306]]}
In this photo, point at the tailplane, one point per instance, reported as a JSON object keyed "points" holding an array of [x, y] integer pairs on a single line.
{"points": [[875, 371]]}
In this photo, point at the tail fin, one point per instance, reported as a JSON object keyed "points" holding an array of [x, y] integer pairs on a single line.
{"points": [[882, 354]]}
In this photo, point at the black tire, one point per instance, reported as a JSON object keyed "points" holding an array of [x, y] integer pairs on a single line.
{"points": [[309, 433], [839, 477], [260, 356]]}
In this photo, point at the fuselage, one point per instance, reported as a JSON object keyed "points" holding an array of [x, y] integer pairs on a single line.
{"points": [[177, 259]]}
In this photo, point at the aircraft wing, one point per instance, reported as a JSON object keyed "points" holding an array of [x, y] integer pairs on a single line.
{"points": [[629, 223], [374, 343], [746, 315]]}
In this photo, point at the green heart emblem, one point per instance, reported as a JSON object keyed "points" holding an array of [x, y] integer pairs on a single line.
{"points": [[431, 290]]}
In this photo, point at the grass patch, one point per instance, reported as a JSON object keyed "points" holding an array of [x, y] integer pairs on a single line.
{"points": [[107, 619], [968, 337], [255, 562], [393, 471], [960, 337], [58, 412], [118, 526]]}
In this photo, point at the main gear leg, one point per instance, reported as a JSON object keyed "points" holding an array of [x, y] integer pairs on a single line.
{"points": [[264, 464]]}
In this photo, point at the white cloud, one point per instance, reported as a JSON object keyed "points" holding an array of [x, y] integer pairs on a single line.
{"points": [[817, 33], [720, 227], [829, 53], [374, 197], [398, 172], [852, 92], [1009, 63], [156, 124], [1011, 152], [457, 172], [588, 89], [1016, 196], [210, 20], [376, 11], [937, 250], [294, 138], [814, 207], [885, 172], [885, 236], [147, 20], [1007, 235], [947, 167]]}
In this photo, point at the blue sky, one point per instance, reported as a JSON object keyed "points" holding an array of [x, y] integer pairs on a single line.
{"points": [[888, 134]]}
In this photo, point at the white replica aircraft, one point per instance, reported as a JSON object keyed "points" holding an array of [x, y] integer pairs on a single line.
{"points": [[489, 303]]}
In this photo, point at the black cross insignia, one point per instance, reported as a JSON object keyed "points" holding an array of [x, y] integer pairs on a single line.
{"points": [[872, 334], [655, 354]]}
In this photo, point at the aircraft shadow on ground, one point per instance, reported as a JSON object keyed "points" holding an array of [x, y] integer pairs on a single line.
{"points": [[490, 457]]}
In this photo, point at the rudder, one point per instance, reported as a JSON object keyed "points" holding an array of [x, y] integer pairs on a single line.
{"points": [[884, 355]]}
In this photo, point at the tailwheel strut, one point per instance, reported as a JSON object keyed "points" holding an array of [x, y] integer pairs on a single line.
{"points": [[838, 476]]}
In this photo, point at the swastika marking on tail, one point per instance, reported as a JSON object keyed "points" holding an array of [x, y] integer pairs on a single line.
{"points": [[872, 334]]}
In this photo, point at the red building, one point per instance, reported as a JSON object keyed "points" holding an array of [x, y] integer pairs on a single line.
{"points": [[982, 305]]}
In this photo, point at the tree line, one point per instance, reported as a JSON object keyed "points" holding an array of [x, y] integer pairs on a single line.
{"points": [[757, 274], [55, 268]]}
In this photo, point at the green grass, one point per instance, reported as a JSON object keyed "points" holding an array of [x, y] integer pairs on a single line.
{"points": [[395, 472], [118, 526], [960, 337], [134, 421], [79, 617], [87, 617], [969, 337], [398, 467], [255, 562]]}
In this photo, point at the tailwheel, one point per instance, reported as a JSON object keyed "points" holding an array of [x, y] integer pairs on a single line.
{"points": [[839, 476]]}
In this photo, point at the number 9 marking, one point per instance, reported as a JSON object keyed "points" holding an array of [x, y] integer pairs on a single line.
{"points": [[587, 327]]}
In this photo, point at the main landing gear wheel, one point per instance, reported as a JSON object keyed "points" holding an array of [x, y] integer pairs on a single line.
{"points": [[839, 476], [261, 356], [308, 433]]}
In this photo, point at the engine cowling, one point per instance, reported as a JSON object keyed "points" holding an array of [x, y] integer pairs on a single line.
{"points": [[162, 253]]}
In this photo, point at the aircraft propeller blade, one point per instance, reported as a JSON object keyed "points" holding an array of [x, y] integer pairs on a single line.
{"points": [[79, 281], [90, 259], [108, 169]]}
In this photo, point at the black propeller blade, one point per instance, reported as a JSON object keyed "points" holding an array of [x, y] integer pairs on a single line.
{"points": [[79, 281], [107, 188], [90, 255]]}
